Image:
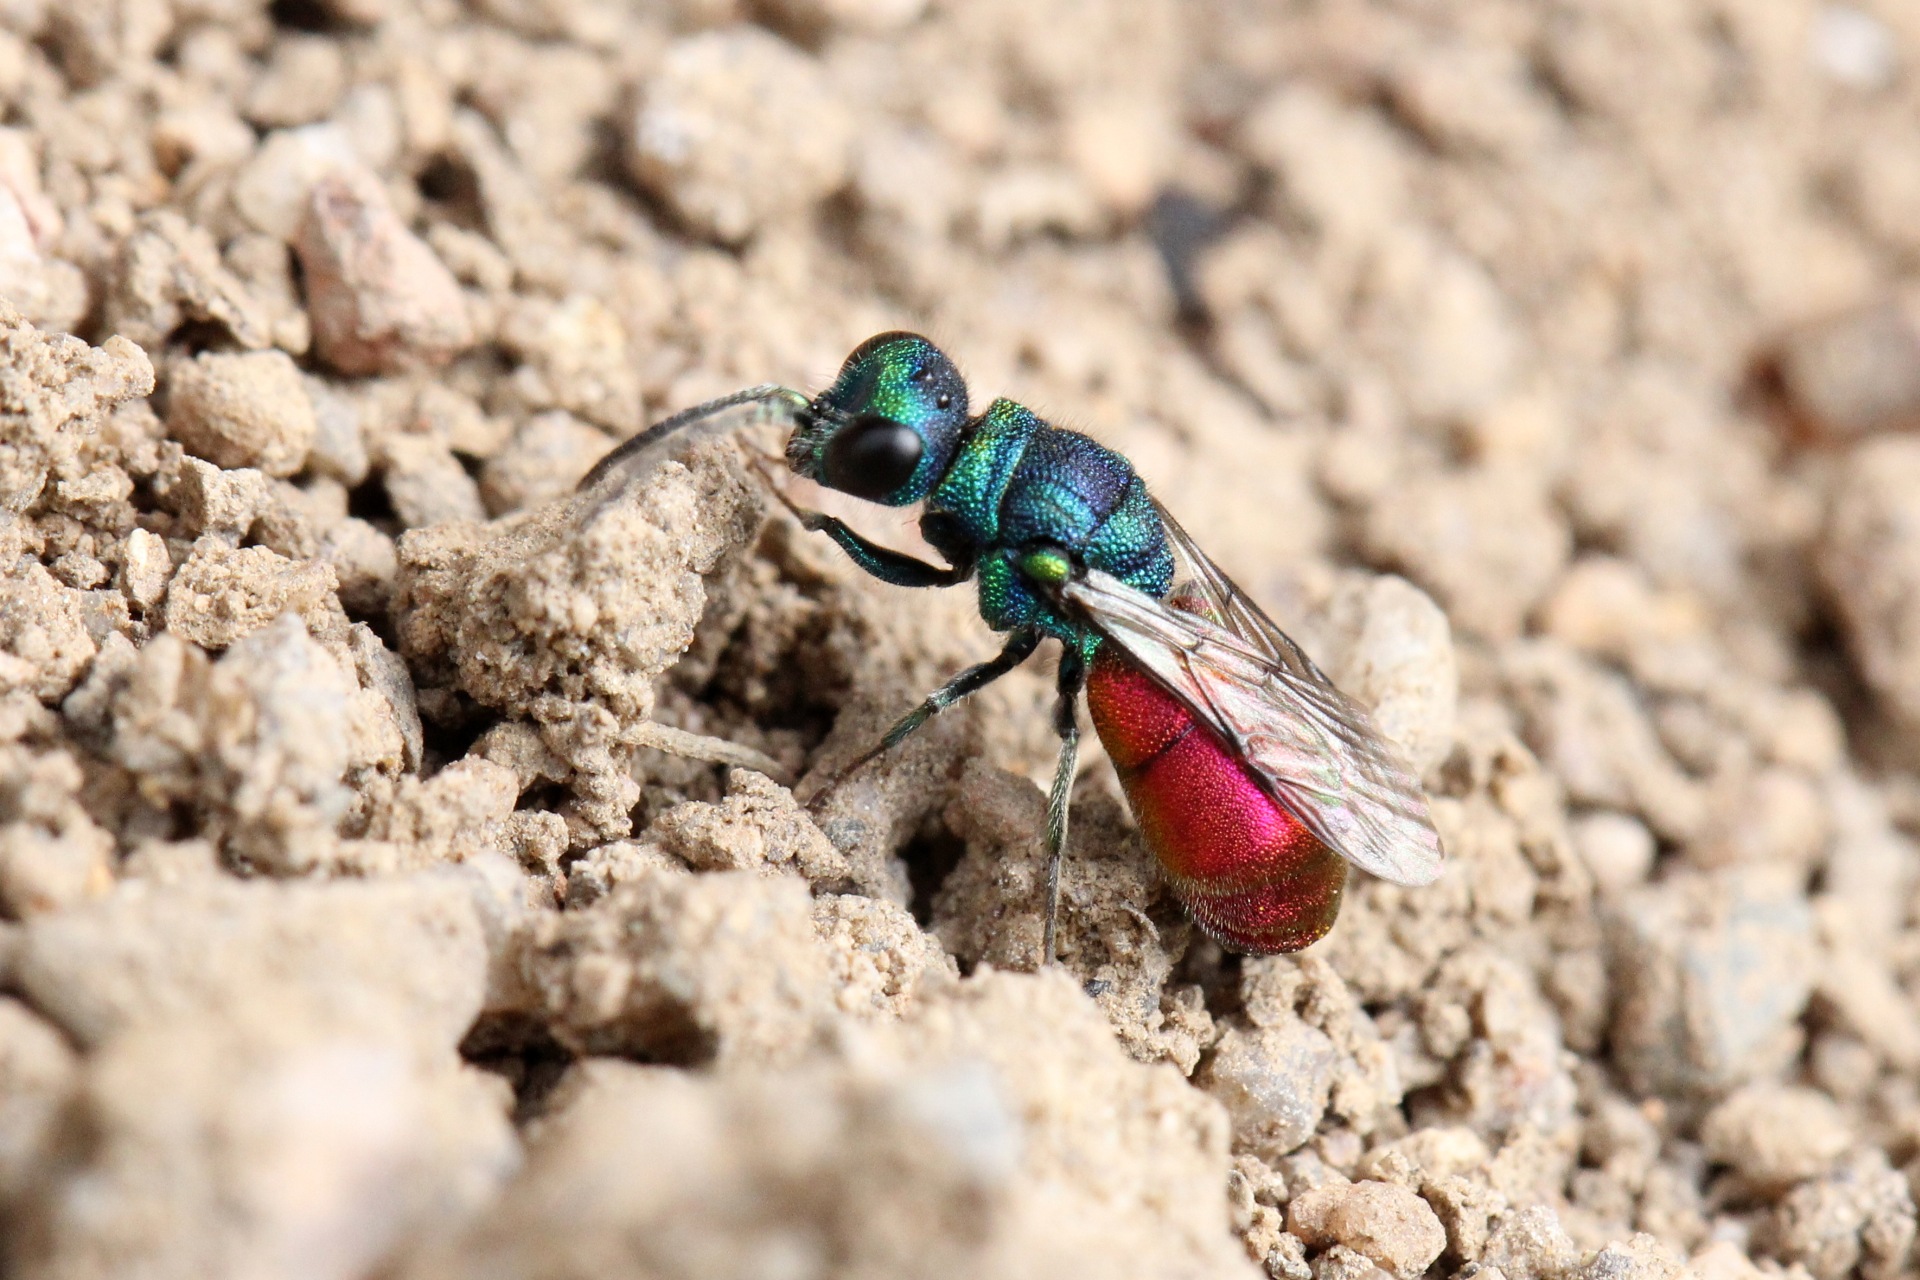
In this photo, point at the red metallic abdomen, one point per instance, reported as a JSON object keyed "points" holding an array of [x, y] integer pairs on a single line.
{"points": [[1251, 876]]}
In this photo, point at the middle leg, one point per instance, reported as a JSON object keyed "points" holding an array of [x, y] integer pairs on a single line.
{"points": [[1072, 679], [1019, 647]]}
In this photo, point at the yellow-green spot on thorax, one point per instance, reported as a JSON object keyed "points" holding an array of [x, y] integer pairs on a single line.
{"points": [[1049, 565]]}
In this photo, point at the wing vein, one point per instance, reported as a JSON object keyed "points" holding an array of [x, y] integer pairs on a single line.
{"points": [[1312, 748]]}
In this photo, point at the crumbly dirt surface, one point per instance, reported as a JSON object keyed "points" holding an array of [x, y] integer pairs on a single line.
{"points": [[1551, 368]]}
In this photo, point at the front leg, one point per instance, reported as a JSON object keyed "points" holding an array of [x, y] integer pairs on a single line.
{"points": [[889, 566], [1073, 678]]}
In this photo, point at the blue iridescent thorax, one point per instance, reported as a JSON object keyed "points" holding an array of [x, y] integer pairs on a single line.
{"points": [[1017, 483], [1008, 496]]}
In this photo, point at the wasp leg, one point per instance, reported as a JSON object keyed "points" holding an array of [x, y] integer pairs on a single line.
{"points": [[888, 566], [1020, 646], [1073, 678], [892, 567]]}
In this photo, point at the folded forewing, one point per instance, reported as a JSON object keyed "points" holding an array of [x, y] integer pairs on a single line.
{"points": [[1313, 747]]}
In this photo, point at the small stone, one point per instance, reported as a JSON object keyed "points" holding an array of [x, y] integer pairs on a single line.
{"points": [[300, 84], [1713, 973], [365, 561], [1396, 656], [758, 828], [171, 862], [1530, 1244], [1274, 1082], [48, 291], [339, 443], [1022, 201], [1590, 725], [739, 129], [206, 133], [1469, 97], [681, 968], [246, 410], [426, 484], [1854, 48], [1882, 184], [1776, 1135], [98, 42], [169, 272], [1123, 144], [272, 190], [1777, 815], [58, 392], [1640, 1258], [414, 945], [576, 355], [1607, 606], [43, 630], [879, 960], [1450, 333], [1342, 1263], [1286, 1258], [379, 299], [222, 594], [1859, 993], [1846, 1068], [1617, 848], [1855, 374], [20, 176], [210, 500], [1487, 543], [1342, 168], [1724, 1260], [1870, 560], [545, 459], [52, 854], [1387, 1224], [279, 712], [43, 872], [145, 567], [1859, 1216]]}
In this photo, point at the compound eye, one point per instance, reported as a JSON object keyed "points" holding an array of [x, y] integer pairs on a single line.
{"points": [[872, 457]]}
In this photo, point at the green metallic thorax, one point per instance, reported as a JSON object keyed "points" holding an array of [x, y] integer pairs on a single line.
{"points": [[1017, 493]]}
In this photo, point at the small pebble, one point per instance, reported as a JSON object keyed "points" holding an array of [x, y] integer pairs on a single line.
{"points": [[246, 410], [1387, 1224], [1856, 373], [379, 300], [144, 567], [738, 129], [1617, 848], [1274, 1082], [1776, 1135], [1870, 560]]}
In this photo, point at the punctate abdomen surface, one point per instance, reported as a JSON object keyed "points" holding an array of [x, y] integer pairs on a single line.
{"points": [[1250, 875]]}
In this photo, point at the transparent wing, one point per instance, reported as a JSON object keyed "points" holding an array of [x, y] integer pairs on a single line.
{"points": [[1312, 746]]}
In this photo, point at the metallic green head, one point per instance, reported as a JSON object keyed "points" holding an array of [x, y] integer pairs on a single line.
{"points": [[887, 429]]}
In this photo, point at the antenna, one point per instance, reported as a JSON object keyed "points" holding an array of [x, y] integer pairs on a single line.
{"points": [[635, 457]]}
